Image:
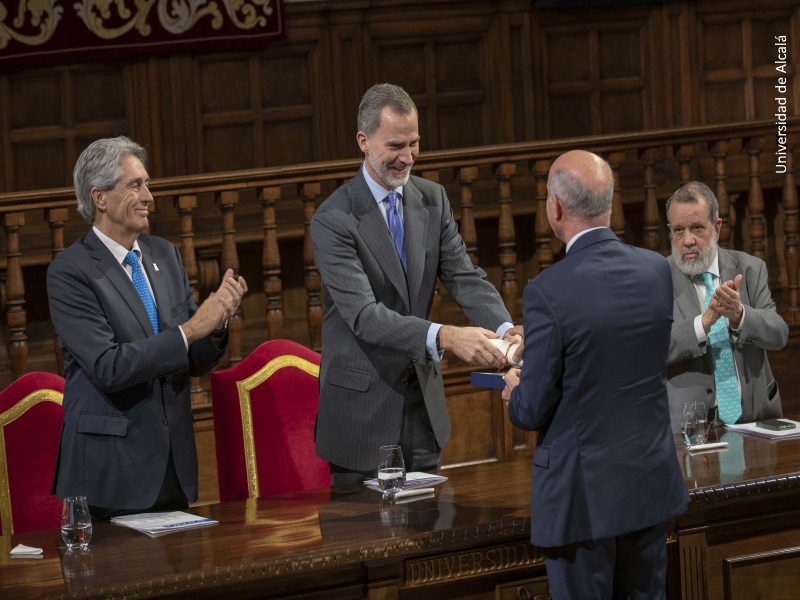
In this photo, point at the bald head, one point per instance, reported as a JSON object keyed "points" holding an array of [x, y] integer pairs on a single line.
{"points": [[584, 185]]}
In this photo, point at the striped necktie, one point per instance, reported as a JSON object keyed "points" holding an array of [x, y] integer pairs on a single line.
{"points": [[396, 226]]}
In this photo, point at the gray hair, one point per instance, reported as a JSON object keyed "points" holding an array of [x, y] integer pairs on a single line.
{"points": [[578, 199], [690, 193], [375, 99], [100, 166]]}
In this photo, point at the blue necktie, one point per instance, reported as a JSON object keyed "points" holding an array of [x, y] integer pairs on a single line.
{"points": [[141, 286], [396, 226], [729, 401]]}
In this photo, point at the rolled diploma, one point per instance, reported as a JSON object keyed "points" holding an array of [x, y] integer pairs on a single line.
{"points": [[508, 349]]}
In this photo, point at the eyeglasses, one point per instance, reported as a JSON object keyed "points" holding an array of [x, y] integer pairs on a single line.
{"points": [[697, 230]]}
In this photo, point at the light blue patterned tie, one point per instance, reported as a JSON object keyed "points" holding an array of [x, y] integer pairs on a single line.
{"points": [[396, 226], [729, 400], [141, 286]]}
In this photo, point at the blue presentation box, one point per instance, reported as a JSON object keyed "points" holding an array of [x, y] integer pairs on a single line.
{"points": [[488, 380]]}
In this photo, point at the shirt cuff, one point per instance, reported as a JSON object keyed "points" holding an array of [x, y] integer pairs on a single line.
{"points": [[430, 342], [503, 329], [702, 338], [741, 321], [183, 335]]}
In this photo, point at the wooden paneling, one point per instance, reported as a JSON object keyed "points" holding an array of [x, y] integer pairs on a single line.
{"points": [[481, 73]]}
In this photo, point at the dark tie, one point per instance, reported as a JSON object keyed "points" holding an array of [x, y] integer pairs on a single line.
{"points": [[729, 401], [141, 286], [396, 226]]}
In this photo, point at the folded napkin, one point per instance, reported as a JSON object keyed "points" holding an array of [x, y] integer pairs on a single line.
{"points": [[22, 551], [711, 446]]}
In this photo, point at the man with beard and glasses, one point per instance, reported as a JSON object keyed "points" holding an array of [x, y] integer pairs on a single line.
{"points": [[724, 318], [380, 242]]}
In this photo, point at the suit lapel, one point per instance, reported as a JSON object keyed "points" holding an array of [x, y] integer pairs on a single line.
{"points": [[154, 274], [116, 275], [685, 294], [375, 233], [729, 269], [415, 222]]}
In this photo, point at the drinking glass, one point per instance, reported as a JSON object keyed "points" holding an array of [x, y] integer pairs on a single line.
{"points": [[76, 523], [391, 469], [694, 424]]}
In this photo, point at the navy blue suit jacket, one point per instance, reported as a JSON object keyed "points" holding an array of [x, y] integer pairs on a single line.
{"points": [[597, 331], [127, 396]]}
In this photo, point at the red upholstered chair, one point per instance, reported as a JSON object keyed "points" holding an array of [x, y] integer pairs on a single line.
{"points": [[30, 430], [264, 412]]}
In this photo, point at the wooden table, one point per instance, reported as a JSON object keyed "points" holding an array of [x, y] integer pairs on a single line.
{"points": [[469, 540]]}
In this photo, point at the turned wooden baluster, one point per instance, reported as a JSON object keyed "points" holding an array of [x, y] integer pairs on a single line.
{"points": [[684, 153], [719, 150], [227, 201], [465, 176], [436, 305], [309, 192], [507, 242], [544, 251], [651, 235], [615, 159], [15, 296], [755, 199], [271, 263], [56, 217], [791, 229], [186, 205]]}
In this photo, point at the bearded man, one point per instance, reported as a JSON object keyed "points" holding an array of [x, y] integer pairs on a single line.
{"points": [[724, 318], [380, 242]]}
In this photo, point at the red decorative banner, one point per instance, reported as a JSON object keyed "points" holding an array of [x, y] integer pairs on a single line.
{"points": [[45, 32]]}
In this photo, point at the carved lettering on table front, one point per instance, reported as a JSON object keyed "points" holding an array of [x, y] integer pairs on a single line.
{"points": [[470, 564]]}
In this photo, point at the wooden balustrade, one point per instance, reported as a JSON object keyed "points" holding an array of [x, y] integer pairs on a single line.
{"points": [[271, 207]]}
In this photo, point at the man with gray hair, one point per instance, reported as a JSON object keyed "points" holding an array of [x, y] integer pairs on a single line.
{"points": [[606, 480], [380, 242], [724, 318], [131, 335]]}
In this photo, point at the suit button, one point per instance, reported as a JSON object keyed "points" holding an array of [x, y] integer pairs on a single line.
{"points": [[164, 422], [709, 391], [404, 382]]}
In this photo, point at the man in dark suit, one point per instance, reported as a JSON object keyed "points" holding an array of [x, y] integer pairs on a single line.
{"points": [[606, 479], [131, 335], [750, 324], [380, 242]]}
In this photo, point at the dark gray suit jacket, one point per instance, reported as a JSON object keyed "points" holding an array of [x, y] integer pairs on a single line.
{"points": [[127, 396], [376, 320], [690, 370]]}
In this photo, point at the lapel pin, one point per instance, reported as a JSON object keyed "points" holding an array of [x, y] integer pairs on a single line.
{"points": [[155, 266]]}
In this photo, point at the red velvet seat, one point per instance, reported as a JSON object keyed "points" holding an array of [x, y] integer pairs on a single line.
{"points": [[30, 430], [264, 413]]}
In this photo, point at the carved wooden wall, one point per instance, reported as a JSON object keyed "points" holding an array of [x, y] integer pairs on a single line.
{"points": [[480, 72]]}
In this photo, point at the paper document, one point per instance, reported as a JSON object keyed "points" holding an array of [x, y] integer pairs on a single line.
{"points": [[753, 429], [415, 479], [155, 524]]}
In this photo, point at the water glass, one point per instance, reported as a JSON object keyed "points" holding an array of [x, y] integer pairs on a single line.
{"points": [[694, 425], [391, 469], [76, 522]]}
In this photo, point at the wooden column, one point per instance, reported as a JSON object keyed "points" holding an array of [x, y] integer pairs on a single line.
{"points": [[56, 218], [465, 176], [309, 192], [186, 205], [271, 264], [228, 200], [719, 150], [651, 235], [544, 251], [684, 154], [615, 159], [15, 296], [791, 229], [755, 200], [507, 242]]}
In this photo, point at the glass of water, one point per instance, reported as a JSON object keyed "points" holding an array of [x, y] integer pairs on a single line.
{"points": [[694, 424], [76, 522], [391, 469]]}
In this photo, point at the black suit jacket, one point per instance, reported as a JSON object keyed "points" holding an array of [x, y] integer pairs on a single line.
{"points": [[127, 396]]}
